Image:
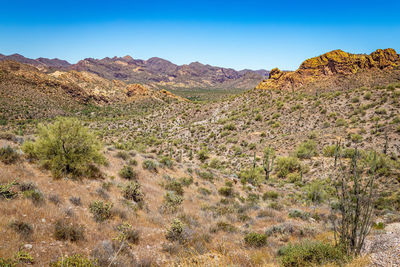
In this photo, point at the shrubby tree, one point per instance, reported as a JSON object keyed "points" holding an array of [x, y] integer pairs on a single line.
{"points": [[355, 193], [66, 147]]}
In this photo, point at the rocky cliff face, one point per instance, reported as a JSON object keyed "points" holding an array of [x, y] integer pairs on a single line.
{"points": [[329, 66]]}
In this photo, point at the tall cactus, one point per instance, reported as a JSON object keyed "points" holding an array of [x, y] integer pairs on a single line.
{"points": [[268, 163], [254, 160], [337, 151], [385, 148]]}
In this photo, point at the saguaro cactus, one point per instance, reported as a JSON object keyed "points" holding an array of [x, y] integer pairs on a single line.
{"points": [[268, 163], [337, 151], [385, 148]]}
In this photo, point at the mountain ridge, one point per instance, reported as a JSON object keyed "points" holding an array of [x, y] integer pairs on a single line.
{"points": [[158, 73]]}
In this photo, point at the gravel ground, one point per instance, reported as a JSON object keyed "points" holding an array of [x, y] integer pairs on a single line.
{"points": [[384, 248]]}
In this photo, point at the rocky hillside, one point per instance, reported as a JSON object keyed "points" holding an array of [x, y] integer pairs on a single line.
{"points": [[338, 69], [27, 92], [155, 72]]}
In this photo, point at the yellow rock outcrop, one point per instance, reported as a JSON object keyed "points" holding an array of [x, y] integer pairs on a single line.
{"points": [[336, 62]]}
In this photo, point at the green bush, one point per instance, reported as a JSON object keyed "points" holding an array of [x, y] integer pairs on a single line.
{"points": [[255, 239], [176, 231], [202, 155], [270, 195], [76, 260], [306, 150], [329, 151], [101, 211], [66, 147], [150, 165], [175, 186], [24, 229], [132, 191], [254, 176], [6, 191], [127, 234], [8, 155], [172, 201], [67, 231], [123, 155], [341, 122], [226, 191], [167, 161], [7, 262], [315, 192], [286, 165], [128, 173], [311, 253]]}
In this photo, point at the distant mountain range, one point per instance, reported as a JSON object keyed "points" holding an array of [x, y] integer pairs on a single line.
{"points": [[155, 72]]}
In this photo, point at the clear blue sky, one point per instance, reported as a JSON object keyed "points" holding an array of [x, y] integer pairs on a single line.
{"points": [[238, 34]]}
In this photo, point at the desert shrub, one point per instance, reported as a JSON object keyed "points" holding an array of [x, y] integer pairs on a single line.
{"points": [[286, 165], [24, 229], [35, 195], [6, 191], [167, 161], [329, 151], [5, 262], [55, 199], [255, 239], [127, 172], [123, 155], [76, 260], [223, 226], [75, 200], [132, 162], [171, 202], [229, 127], [8, 155], [293, 177], [367, 96], [127, 234], [175, 186], [204, 191], [295, 213], [206, 175], [66, 147], [101, 211], [176, 231], [226, 191], [202, 154], [68, 231], [315, 192], [254, 176], [215, 163], [356, 138], [23, 257], [186, 181], [132, 191], [306, 150], [270, 195], [341, 122], [311, 253], [150, 165]]}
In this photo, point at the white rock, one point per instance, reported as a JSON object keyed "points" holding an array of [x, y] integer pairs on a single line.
{"points": [[28, 246]]}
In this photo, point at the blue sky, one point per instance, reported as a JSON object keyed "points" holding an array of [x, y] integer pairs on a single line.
{"points": [[238, 34]]}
